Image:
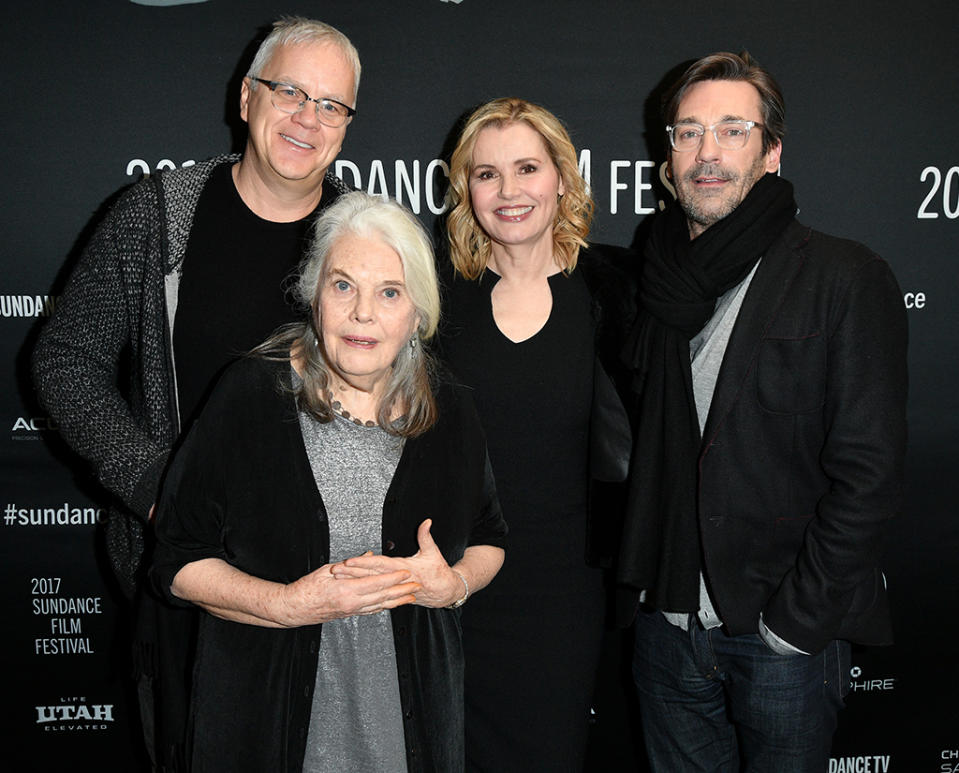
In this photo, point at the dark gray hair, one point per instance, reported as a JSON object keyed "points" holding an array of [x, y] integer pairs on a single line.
{"points": [[726, 66]]}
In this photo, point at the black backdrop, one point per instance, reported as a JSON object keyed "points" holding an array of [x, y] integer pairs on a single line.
{"points": [[100, 91]]}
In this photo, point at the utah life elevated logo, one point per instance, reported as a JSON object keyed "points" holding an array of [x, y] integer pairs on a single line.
{"points": [[74, 714]]}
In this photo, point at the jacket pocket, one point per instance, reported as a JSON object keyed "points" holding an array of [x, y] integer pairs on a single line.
{"points": [[791, 374]]}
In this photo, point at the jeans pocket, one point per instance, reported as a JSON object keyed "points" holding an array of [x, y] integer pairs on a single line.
{"points": [[836, 666]]}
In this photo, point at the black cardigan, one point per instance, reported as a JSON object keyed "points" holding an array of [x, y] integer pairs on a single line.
{"points": [[241, 489]]}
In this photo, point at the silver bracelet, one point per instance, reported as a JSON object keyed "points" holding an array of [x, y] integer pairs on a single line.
{"points": [[459, 602]]}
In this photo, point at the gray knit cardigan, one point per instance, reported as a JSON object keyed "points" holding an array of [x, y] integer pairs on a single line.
{"points": [[103, 365]]}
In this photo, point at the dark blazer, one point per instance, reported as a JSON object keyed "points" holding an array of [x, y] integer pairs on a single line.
{"points": [[802, 455], [241, 489]]}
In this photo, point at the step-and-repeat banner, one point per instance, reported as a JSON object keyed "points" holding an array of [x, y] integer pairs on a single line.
{"points": [[98, 93]]}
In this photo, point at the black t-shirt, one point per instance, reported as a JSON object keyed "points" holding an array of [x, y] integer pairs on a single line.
{"points": [[234, 288]]}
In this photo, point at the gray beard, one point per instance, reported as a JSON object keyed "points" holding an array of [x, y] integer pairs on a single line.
{"points": [[704, 218]]}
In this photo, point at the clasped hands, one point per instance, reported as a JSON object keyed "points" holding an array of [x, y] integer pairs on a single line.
{"points": [[369, 583], [437, 585]]}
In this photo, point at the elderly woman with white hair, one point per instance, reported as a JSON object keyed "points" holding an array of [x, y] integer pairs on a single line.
{"points": [[331, 510]]}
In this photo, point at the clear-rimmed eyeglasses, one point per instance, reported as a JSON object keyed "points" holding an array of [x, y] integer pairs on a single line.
{"points": [[291, 99], [730, 135]]}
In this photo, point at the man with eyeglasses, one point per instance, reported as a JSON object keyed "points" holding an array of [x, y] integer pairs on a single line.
{"points": [[186, 272], [770, 367]]}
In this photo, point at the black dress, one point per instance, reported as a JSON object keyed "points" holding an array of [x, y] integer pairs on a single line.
{"points": [[532, 638]]}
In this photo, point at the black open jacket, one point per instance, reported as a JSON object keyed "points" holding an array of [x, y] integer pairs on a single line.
{"points": [[241, 489]]}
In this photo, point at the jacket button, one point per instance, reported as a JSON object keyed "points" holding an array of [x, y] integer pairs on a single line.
{"points": [[409, 714], [313, 647], [401, 630], [306, 691]]}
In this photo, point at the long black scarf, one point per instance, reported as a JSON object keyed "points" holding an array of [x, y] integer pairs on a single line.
{"points": [[682, 279]]}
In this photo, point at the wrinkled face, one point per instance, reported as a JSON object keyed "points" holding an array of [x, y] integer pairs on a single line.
{"points": [[284, 149], [365, 315], [514, 185], [712, 181]]}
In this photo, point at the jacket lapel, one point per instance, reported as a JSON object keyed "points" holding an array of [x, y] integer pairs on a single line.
{"points": [[762, 304]]}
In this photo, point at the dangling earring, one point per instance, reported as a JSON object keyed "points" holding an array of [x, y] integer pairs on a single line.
{"points": [[413, 346], [313, 328]]}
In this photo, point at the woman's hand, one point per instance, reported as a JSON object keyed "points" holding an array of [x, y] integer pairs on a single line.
{"points": [[232, 594], [319, 596], [439, 585]]}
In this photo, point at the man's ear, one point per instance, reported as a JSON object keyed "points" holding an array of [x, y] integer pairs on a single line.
{"points": [[245, 93], [772, 157]]}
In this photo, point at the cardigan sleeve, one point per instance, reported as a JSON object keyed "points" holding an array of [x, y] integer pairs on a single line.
{"points": [[446, 470], [237, 489], [190, 513], [77, 358], [489, 528], [466, 431]]}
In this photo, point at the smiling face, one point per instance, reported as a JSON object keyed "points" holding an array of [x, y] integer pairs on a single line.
{"points": [[712, 181], [365, 314], [514, 186], [294, 151]]}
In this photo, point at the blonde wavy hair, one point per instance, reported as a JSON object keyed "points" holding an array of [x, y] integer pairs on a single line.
{"points": [[470, 247]]}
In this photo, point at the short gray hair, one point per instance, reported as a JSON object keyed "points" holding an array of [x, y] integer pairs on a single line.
{"points": [[294, 30]]}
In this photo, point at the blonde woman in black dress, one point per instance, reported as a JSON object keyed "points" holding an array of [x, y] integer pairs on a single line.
{"points": [[532, 321]]}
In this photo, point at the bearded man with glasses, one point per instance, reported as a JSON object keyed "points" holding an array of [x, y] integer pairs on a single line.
{"points": [[770, 367], [186, 272]]}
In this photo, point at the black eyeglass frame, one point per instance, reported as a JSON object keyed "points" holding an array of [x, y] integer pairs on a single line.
{"points": [[273, 85]]}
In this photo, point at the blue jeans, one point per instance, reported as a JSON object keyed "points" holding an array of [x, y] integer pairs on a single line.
{"points": [[729, 704]]}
